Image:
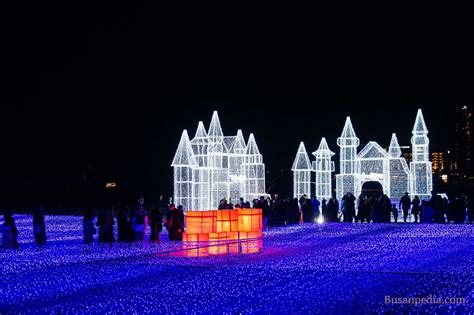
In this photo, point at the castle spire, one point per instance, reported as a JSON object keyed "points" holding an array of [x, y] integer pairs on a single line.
{"points": [[239, 144], [348, 131], [215, 130], [200, 131], [323, 149], [184, 154], [252, 148], [419, 128], [394, 148], [302, 161]]}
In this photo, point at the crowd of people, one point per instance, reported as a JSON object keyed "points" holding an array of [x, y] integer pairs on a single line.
{"points": [[277, 211], [133, 222]]}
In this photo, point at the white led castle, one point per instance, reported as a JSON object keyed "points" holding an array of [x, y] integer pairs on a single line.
{"points": [[212, 166], [372, 163]]}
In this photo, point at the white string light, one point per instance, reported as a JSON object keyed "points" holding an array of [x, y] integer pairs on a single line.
{"points": [[301, 173], [212, 166], [372, 163]]}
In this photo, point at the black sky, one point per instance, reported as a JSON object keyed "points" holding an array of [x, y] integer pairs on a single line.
{"points": [[114, 85]]}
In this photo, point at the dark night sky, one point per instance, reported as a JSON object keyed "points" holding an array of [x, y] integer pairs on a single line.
{"points": [[115, 85]]}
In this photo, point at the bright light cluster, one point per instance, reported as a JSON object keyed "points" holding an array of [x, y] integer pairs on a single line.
{"points": [[372, 163], [64, 277], [421, 180], [212, 166], [390, 169], [302, 168], [301, 173], [323, 167]]}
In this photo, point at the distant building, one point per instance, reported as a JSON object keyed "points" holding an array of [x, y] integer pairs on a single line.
{"points": [[438, 162], [464, 141]]}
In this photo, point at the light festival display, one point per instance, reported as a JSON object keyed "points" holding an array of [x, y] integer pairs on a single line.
{"points": [[371, 164], [221, 232], [212, 166], [67, 277], [421, 180], [323, 167], [301, 173]]}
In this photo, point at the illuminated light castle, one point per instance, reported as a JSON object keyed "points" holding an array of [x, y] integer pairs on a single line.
{"points": [[212, 166], [371, 164]]}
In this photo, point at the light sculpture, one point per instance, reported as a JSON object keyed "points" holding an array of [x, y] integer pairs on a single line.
{"points": [[398, 168], [372, 163], [301, 173], [348, 143], [421, 180], [323, 166], [217, 232], [213, 166]]}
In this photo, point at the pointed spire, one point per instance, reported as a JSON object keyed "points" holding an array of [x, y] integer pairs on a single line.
{"points": [[323, 149], [239, 144], [215, 131], [394, 148], [302, 162], [348, 131], [252, 148], [419, 128], [200, 131], [184, 154]]}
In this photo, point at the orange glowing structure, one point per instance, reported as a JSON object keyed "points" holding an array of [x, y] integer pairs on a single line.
{"points": [[251, 242], [227, 221], [217, 232], [223, 243], [250, 220], [201, 222]]}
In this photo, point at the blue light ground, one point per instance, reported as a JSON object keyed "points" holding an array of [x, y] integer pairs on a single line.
{"points": [[333, 268]]}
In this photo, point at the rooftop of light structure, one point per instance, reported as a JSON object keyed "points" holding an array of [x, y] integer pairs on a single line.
{"points": [[372, 150], [200, 131], [419, 128], [394, 148], [252, 148], [348, 130], [323, 149], [302, 161], [239, 143], [184, 155], [215, 130]]}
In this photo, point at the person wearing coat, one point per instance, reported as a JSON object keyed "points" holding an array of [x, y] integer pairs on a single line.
{"points": [[405, 204], [140, 223], [176, 225], [156, 225], [416, 208], [10, 233], [39, 227]]}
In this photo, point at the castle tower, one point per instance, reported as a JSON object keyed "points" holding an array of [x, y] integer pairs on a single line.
{"points": [[301, 173], [323, 166], [348, 143], [218, 175], [236, 172], [183, 165], [200, 144], [254, 171], [421, 181], [398, 170]]}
